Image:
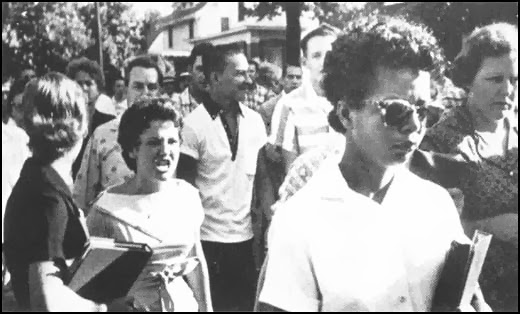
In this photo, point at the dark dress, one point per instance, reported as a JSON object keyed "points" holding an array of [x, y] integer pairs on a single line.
{"points": [[42, 223], [490, 187], [98, 119]]}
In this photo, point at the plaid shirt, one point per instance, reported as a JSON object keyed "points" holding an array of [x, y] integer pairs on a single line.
{"points": [[258, 96], [184, 102]]}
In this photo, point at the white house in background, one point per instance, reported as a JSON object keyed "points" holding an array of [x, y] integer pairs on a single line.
{"points": [[222, 24]]}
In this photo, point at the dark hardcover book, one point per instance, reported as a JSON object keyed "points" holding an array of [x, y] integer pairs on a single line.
{"points": [[459, 277], [108, 269]]}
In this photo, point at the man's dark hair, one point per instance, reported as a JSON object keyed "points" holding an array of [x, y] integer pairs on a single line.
{"points": [[146, 62], [204, 50], [284, 71]]}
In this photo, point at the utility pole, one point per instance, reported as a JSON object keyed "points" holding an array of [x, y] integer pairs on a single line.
{"points": [[98, 38], [293, 11]]}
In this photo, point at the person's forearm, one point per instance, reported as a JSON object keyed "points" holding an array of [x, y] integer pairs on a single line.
{"points": [[264, 186], [198, 280], [49, 293], [56, 297]]}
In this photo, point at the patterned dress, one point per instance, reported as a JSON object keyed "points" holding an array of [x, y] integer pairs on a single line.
{"points": [[490, 187]]}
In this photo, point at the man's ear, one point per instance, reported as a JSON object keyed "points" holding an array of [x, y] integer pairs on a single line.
{"points": [[343, 113], [214, 78], [133, 153]]}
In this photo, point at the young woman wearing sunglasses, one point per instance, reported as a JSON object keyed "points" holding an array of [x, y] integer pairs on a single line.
{"points": [[365, 234]]}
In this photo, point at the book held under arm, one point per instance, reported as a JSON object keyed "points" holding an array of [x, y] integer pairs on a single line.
{"points": [[459, 278], [108, 269]]}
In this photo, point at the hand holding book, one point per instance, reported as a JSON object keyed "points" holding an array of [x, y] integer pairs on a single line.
{"points": [[458, 282]]}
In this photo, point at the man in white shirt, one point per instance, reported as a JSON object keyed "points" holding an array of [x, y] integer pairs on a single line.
{"points": [[221, 141], [299, 122], [292, 79], [119, 98], [102, 164]]}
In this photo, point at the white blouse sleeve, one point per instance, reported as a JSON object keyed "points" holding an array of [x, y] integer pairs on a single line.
{"points": [[289, 282]]}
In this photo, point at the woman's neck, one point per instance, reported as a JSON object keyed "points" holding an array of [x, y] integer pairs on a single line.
{"points": [[363, 175], [63, 166], [146, 186], [482, 123]]}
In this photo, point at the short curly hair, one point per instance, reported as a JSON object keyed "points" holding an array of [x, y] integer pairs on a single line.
{"points": [[138, 118], [55, 115], [494, 40], [88, 66], [367, 44]]}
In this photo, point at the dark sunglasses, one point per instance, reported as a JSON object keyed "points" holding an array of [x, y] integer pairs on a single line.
{"points": [[397, 112]]}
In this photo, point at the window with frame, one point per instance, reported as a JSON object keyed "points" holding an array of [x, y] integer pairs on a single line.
{"points": [[170, 37], [224, 24]]}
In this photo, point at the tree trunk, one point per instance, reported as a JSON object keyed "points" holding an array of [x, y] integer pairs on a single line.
{"points": [[293, 32]]}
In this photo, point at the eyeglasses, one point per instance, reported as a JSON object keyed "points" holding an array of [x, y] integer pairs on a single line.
{"points": [[396, 112]]}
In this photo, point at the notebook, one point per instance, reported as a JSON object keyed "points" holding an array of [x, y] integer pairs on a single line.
{"points": [[108, 269], [459, 277]]}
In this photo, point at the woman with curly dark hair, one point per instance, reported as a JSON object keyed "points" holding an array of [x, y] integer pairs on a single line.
{"points": [[155, 208], [365, 233]]}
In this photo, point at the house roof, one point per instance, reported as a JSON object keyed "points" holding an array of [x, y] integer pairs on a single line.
{"points": [[179, 15], [176, 17], [240, 29]]}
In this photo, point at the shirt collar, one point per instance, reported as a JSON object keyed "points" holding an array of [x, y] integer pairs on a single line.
{"points": [[214, 109], [46, 174], [330, 184]]}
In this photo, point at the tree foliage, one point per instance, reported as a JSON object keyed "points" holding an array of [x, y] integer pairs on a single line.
{"points": [[449, 21], [47, 35], [122, 33], [44, 35]]}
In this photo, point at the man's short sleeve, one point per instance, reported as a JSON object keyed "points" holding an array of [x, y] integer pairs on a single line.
{"points": [[190, 144], [289, 142], [289, 282]]}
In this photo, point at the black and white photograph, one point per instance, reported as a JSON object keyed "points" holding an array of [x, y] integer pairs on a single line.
{"points": [[260, 156]]}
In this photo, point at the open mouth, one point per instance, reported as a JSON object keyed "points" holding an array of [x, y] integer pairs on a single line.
{"points": [[163, 165]]}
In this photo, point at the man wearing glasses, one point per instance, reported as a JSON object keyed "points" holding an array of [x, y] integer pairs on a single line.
{"points": [[102, 164]]}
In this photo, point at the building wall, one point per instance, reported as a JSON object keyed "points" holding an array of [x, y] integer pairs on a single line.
{"points": [[208, 19], [181, 37]]}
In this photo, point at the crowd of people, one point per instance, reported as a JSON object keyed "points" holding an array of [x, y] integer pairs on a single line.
{"points": [[337, 184]]}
